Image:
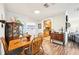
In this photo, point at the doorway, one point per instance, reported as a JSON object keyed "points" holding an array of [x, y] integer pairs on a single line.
{"points": [[47, 27]]}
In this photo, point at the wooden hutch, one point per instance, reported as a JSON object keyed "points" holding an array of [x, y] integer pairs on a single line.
{"points": [[12, 31]]}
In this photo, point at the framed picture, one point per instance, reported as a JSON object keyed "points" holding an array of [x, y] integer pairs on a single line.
{"points": [[39, 26]]}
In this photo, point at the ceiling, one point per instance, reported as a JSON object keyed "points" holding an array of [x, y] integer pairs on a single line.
{"points": [[29, 8]]}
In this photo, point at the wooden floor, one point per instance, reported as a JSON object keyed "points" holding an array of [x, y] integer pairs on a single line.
{"points": [[55, 49]]}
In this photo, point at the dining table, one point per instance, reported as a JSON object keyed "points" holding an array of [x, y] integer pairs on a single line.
{"points": [[18, 43]]}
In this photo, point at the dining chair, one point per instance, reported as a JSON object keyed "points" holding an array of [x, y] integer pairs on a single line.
{"points": [[13, 52], [35, 47], [5, 46]]}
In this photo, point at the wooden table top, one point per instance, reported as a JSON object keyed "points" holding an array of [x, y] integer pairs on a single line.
{"points": [[17, 43]]}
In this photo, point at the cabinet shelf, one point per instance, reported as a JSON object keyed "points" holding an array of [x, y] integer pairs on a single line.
{"points": [[12, 30]]}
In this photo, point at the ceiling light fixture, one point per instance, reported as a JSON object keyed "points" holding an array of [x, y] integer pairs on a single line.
{"points": [[36, 11]]}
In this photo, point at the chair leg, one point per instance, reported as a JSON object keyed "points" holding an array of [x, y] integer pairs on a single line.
{"points": [[42, 49], [50, 40], [26, 51]]}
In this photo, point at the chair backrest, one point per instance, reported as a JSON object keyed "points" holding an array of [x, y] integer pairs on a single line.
{"points": [[35, 46], [40, 35], [39, 42]]}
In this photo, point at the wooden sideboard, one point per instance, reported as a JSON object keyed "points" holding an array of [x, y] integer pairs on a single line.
{"points": [[57, 36]]}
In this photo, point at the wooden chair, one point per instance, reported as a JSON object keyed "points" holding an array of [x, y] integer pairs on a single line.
{"points": [[34, 47], [6, 48], [37, 45], [40, 35], [4, 45]]}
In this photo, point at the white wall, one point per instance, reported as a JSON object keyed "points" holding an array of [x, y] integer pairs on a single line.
{"points": [[2, 11], [22, 18], [2, 16], [58, 21], [74, 21]]}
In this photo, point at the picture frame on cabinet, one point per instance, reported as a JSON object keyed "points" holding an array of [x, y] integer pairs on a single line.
{"points": [[39, 26]]}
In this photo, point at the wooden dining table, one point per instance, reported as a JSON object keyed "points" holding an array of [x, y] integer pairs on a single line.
{"points": [[18, 43]]}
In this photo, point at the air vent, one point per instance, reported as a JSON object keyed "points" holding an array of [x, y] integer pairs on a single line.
{"points": [[77, 9], [46, 5]]}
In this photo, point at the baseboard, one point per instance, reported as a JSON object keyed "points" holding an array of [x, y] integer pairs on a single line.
{"points": [[57, 42]]}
